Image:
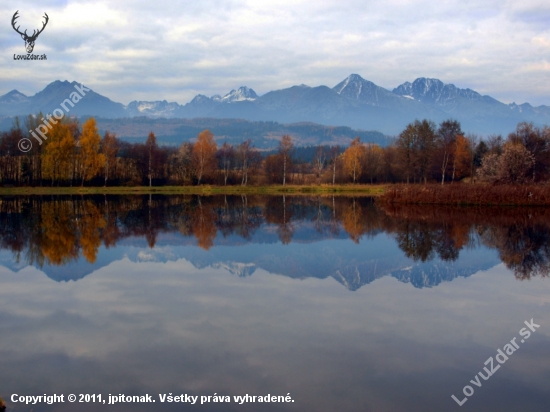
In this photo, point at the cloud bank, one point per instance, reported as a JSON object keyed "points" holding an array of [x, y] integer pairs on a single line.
{"points": [[170, 50]]}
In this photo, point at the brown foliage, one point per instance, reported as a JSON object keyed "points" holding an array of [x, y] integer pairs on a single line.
{"points": [[467, 194]]}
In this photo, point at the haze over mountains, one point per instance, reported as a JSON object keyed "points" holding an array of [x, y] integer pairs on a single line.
{"points": [[354, 102]]}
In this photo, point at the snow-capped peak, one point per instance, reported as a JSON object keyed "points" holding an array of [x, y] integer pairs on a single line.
{"points": [[153, 108], [241, 94], [356, 88], [236, 268], [353, 80], [434, 91]]}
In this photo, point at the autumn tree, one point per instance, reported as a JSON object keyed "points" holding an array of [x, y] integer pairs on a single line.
{"points": [[334, 154], [515, 164], [447, 144], [204, 155], [285, 150], [226, 160], [35, 154], [11, 157], [424, 146], [58, 154], [495, 144], [319, 160], [273, 168], [390, 163], [473, 143], [91, 160], [109, 148], [480, 151], [405, 148], [182, 165], [373, 161], [354, 158], [489, 167], [151, 152], [537, 142], [247, 159], [462, 158]]}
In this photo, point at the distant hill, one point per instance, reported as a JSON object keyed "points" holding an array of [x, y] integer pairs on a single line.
{"points": [[264, 134], [46, 101], [354, 103]]}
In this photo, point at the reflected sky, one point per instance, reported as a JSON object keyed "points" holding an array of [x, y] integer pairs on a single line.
{"points": [[261, 316]]}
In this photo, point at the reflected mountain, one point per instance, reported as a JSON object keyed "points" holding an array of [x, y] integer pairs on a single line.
{"points": [[351, 240]]}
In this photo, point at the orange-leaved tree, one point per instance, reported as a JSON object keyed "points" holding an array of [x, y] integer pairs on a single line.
{"points": [[353, 159], [462, 157], [204, 155]]}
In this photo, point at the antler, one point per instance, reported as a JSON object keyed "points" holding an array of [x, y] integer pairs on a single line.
{"points": [[15, 17], [43, 26], [34, 33]]}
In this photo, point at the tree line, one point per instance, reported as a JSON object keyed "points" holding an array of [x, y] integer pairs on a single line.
{"points": [[423, 152]]}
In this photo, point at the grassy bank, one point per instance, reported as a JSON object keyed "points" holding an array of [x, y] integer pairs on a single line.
{"points": [[355, 190], [467, 194]]}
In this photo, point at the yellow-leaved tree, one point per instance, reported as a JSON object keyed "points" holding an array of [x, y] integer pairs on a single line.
{"points": [[58, 153], [91, 160]]}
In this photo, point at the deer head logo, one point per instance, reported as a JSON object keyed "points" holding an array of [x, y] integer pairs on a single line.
{"points": [[29, 40]]}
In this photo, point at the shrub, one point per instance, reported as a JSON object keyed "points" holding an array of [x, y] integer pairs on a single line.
{"points": [[514, 166], [467, 194]]}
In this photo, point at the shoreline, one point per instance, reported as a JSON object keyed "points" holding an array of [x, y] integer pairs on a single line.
{"points": [[458, 194], [359, 190]]}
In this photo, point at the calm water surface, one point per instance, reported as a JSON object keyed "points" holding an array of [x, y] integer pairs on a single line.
{"points": [[341, 304]]}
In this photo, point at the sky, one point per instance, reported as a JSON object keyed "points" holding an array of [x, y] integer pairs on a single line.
{"points": [[174, 50]]}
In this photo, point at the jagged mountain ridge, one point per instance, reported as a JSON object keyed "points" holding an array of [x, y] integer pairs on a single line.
{"points": [[157, 109], [243, 93], [354, 102], [352, 268]]}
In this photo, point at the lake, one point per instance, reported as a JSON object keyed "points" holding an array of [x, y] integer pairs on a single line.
{"points": [[322, 303]]}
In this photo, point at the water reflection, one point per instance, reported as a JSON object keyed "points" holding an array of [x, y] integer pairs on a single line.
{"points": [[520, 235], [204, 295], [59, 230]]}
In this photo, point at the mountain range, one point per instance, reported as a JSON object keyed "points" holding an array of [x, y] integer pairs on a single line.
{"points": [[352, 267], [354, 102]]}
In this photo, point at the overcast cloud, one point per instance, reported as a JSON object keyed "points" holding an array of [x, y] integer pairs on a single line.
{"points": [[151, 50]]}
